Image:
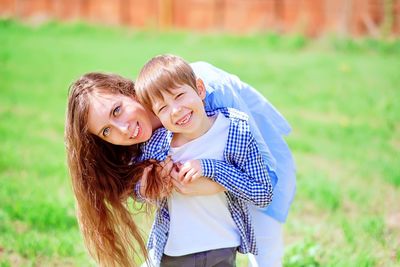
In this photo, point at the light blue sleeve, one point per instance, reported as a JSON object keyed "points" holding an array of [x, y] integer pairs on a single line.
{"points": [[223, 90], [267, 125]]}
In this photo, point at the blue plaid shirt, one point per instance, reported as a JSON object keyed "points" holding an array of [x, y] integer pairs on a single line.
{"points": [[243, 173]]}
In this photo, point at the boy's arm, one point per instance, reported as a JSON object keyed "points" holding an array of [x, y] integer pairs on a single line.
{"points": [[249, 180]]}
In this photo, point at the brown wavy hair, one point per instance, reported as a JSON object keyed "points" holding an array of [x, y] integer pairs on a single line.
{"points": [[102, 176]]}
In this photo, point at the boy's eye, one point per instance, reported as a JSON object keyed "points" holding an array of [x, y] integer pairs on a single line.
{"points": [[179, 95], [106, 132], [116, 110], [161, 109]]}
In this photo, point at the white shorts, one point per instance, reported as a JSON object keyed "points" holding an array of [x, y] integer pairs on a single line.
{"points": [[269, 238]]}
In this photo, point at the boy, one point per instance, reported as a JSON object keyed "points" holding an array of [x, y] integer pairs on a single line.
{"points": [[206, 228]]}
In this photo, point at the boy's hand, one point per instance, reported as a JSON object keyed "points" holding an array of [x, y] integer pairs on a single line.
{"points": [[190, 171]]}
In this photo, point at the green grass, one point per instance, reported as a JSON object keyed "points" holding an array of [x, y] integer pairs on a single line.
{"points": [[341, 97]]}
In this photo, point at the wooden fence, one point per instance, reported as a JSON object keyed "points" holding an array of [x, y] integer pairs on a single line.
{"points": [[311, 17]]}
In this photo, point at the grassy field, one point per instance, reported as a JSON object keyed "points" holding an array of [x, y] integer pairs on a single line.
{"points": [[341, 97]]}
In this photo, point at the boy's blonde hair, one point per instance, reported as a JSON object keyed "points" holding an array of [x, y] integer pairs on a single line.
{"points": [[163, 73]]}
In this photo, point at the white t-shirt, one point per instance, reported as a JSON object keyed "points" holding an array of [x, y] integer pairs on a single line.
{"points": [[201, 223]]}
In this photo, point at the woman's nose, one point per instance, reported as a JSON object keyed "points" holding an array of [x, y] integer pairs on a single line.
{"points": [[123, 127]]}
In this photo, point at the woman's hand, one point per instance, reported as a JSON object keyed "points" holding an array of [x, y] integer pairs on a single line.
{"points": [[156, 179], [201, 186]]}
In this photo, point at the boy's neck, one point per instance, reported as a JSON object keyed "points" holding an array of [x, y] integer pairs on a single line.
{"points": [[179, 139]]}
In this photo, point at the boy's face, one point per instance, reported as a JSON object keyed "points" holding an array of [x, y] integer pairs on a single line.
{"points": [[118, 119], [182, 111]]}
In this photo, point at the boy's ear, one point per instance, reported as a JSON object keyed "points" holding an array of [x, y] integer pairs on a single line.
{"points": [[201, 88]]}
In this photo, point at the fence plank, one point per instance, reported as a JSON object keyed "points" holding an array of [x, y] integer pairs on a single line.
{"points": [[311, 17]]}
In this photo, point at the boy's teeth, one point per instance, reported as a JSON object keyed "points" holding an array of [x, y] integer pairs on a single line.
{"points": [[185, 119]]}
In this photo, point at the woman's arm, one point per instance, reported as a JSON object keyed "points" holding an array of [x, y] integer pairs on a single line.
{"points": [[243, 173], [200, 187], [225, 90], [248, 180]]}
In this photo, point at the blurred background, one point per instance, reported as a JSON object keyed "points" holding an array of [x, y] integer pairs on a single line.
{"points": [[310, 17], [332, 68]]}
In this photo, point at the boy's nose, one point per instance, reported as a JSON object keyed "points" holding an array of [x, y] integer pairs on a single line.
{"points": [[176, 110]]}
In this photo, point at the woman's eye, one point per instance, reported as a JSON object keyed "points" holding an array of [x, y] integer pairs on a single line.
{"points": [[106, 131], [179, 95], [117, 110]]}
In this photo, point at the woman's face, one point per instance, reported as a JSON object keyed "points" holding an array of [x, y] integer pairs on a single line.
{"points": [[119, 119]]}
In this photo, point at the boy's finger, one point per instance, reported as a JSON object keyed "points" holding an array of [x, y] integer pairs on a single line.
{"points": [[174, 173], [189, 175], [182, 172]]}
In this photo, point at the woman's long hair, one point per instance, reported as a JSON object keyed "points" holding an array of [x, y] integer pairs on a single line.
{"points": [[102, 176]]}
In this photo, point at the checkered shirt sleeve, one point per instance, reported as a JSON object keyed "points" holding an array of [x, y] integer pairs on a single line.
{"points": [[243, 172]]}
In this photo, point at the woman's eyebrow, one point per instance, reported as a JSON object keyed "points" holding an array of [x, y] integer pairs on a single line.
{"points": [[100, 132]]}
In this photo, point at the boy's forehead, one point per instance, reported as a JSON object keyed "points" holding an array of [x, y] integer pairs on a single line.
{"points": [[160, 94], [167, 91]]}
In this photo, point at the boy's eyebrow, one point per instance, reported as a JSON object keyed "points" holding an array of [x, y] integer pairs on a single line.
{"points": [[156, 104]]}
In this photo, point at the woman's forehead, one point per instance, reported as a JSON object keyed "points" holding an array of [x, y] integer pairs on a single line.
{"points": [[107, 97], [98, 99]]}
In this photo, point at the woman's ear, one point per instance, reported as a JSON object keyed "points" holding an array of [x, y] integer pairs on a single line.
{"points": [[201, 88]]}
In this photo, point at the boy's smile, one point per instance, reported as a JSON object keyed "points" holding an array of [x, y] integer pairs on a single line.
{"points": [[185, 119], [182, 112]]}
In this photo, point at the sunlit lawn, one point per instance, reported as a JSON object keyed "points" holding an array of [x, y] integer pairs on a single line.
{"points": [[341, 97]]}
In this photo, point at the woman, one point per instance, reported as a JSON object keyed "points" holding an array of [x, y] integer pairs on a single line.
{"points": [[104, 125]]}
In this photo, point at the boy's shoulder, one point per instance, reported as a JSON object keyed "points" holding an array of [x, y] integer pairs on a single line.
{"points": [[239, 122], [158, 140], [230, 113]]}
